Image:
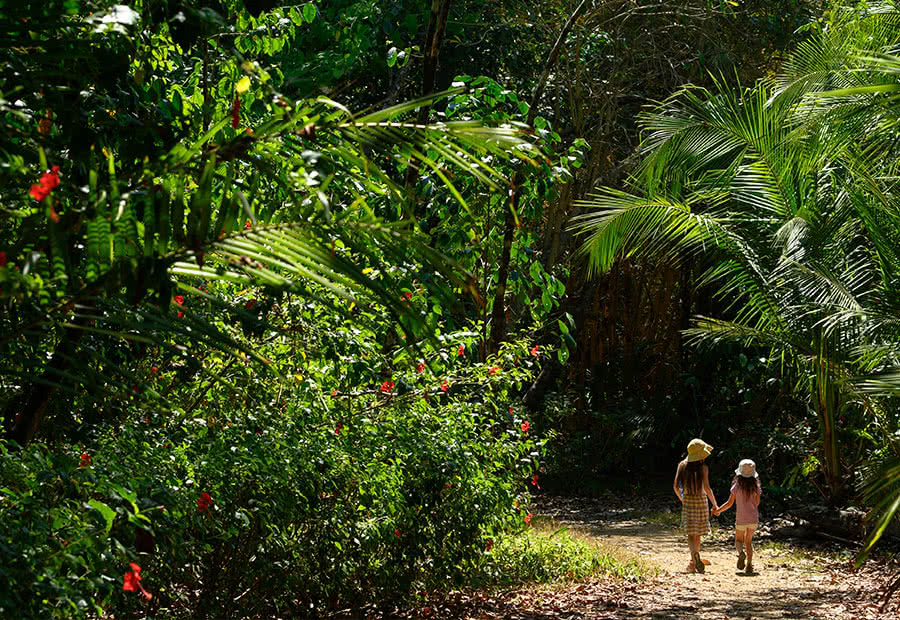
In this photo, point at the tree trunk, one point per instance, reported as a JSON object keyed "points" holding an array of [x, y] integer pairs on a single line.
{"points": [[827, 400], [498, 316], [437, 24]]}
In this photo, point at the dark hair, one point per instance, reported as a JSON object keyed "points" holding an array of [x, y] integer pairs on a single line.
{"points": [[747, 486], [690, 477]]}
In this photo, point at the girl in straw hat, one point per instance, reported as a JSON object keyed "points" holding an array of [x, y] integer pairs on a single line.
{"points": [[692, 488], [746, 493]]}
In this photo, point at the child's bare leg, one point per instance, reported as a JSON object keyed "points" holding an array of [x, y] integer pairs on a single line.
{"points": [[693, 545], [739, 540], [748, 545]]}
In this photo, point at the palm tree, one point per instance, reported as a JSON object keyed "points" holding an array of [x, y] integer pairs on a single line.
{"points": [[787, 192]]}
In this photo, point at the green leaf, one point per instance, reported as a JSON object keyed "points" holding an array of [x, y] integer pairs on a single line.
{"points": [[107, 512], [309, 12]]}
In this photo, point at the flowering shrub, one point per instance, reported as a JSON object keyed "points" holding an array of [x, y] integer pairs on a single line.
{"points": [[284, 507]]}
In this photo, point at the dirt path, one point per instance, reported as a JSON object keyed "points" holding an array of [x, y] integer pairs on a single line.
{"points": [[788, 583], [779, 588]]}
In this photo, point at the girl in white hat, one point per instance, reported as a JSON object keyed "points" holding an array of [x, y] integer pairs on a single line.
{"points": [[746, 493]]}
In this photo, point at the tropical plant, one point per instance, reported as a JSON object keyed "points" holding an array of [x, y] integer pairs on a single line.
{"points": [[114, 245], [785, 190]]}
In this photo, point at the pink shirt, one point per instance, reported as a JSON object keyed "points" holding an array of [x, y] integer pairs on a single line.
{"points": [[747, 510]]}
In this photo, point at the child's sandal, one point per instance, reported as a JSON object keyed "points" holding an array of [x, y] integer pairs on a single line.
{"points": [[698, 563]]}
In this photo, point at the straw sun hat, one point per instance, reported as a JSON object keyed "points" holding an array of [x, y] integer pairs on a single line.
{"points": [[698, 450], [747, 469]]}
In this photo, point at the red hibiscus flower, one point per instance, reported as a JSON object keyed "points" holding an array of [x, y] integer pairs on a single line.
{"points": [[334, 392], [179, 300], [236, 113], [534, 481], [132, 581], [445, 386], [180, 314], [489, 545], [510, 411], [493, 370], [420, 367], [528, 518], [525, 426], [397, 533], [48, 181], [387, 386], [85, 460], [534, 350], [204, 502], [407, 295], [154, 370], [248, 225], [461, 350]]}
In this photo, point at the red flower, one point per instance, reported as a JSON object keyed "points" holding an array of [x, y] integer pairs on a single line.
{"points": [[179, 300], [461, 350], [534, 350], [3, 259], [445, 386], [250, 304], [420, 367], [334, 392], [132, 581], [337, 431], [528, 518], [525, 426], [493, 370], [489, 545], [447, 485], [248, 225], [54, 215], [510, 411], [48, 181], [204, 502], [397, 533], [85, 460], [534, 481], [387, 386], [236, 113], [180, 314], [407, 295], [154, 370]]}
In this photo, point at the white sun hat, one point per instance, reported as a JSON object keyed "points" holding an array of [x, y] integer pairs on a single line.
{"points": [[747, 469]]}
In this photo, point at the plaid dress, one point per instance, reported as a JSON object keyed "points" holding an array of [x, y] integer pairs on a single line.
{"points": [[695, 516]]}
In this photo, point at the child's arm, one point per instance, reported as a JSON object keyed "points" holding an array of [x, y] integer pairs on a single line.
{"points": [[757, 496], [725, 506], [708, 490], [675, 488]]}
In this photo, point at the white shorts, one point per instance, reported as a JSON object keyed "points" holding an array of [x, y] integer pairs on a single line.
{"points": [[746, 527]]}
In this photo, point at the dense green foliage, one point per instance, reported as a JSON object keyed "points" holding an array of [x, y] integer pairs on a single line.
{"points": [[293, 316], [785, 192]]}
